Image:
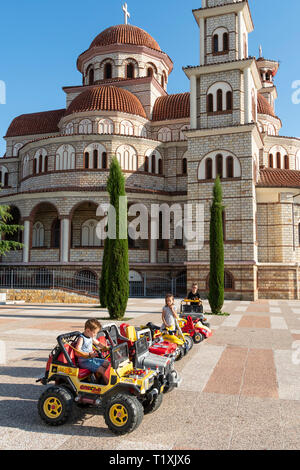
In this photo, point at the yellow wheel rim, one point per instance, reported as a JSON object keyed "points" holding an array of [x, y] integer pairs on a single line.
{"points": [[118, 415], [52, 407]]}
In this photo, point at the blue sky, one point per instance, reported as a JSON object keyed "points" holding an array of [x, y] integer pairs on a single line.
{"points": [[41, 40]]}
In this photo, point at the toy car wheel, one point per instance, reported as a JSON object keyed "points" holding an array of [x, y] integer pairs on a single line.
{"points": [[123, 414], [170, 385], [180, 353], [189, 342], [198, 337], [150, 407], [55, 405]]}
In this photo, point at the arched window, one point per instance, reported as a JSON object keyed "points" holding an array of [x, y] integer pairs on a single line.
{"points": [[215, 43], [146, 164], [91, 76], [89, 233], [127, 157], [286, 162], [46, 163], [65, 158], [3, 176], [219, 165], [208, 169], [107, 71], [69, 129], [55, 234], [165, 134], [38, 234], [105, 126], [130, 70], [225, 42], [184, 166], [210, 103], [150, 72], [85, 127], [278, 160], [219, 100], [126, 128], [26, 170], [229, 167], [271, 163], [153, 164], [5, 180], [34, 166], [95, 159], [160, 167], [86, 160], [104, 160], [40, 163], [229, 101]]}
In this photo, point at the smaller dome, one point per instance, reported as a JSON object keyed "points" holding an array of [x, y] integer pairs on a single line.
{"points": [[106, 98], [171, 107], [263, 106], [125, 34]]}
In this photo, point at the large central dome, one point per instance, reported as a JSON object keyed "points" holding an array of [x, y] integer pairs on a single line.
{"points": [[125, 34]]}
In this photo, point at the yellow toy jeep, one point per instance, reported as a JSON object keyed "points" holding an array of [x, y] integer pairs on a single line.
{"points": [[128, 395]]}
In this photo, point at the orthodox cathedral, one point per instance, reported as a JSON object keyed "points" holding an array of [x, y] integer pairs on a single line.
{"points": [[170, 148]]}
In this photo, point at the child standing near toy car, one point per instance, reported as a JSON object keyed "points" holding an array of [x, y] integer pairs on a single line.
{"points": [[87, 357], [169, 313]]}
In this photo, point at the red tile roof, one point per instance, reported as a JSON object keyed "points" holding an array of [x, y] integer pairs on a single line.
{"points": [[263, 106], [277, 178], [106, 98], [35, 123], [125, 34], [171, 107]]}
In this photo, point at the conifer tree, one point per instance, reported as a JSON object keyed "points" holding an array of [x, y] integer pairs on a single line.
{"points": [[216, 276], [116, 264]]}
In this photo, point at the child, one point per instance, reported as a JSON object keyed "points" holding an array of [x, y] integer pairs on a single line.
{"points": [[194, 294], [88, 359], [169, 313]]}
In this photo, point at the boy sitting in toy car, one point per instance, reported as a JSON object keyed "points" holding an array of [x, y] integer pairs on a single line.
{"points": [[87, 357], [194, 294]]}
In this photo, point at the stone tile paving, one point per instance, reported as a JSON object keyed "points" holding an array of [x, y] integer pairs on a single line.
{"points": [[240, 388]]}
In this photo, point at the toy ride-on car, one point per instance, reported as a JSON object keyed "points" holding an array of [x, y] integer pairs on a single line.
{"points": [[195, 329], [129, 394], [183, 341], [193, 308], [139, 343]]}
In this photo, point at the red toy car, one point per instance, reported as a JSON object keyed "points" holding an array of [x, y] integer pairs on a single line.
{"points": [[195, 328]]}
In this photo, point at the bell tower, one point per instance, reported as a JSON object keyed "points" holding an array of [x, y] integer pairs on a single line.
{"points": [[224, 138]]}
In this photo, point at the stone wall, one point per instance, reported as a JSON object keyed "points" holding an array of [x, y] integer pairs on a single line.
{"points": [[48, 296]]}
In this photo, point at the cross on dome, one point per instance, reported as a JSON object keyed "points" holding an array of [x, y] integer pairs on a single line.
{"points": [[126, 13]]}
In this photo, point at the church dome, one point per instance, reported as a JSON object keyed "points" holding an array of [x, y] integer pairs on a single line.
{"points": [[263, 106], [171, 107], [125, 34], [106, 98]]}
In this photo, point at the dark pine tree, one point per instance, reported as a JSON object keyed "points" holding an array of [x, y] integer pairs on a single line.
{"points": [[216, 276]]}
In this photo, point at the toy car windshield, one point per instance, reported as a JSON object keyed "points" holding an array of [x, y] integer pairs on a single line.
{"points": [[119, 354], [141, 346]]}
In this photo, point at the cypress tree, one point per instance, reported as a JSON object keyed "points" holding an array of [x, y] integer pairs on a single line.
{"points": [[216, 276], [117, 265]]}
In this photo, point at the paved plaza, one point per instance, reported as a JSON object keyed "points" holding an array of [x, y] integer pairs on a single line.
{"points": [[240, 388]]}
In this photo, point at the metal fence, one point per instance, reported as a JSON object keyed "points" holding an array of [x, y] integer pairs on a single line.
{"points": [[86, 282]]}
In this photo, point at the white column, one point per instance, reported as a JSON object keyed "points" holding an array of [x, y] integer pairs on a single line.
{"points": [[193, 102], [247, 95], [26, 238], [202, 41], [65, 237], [240, 36]]}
